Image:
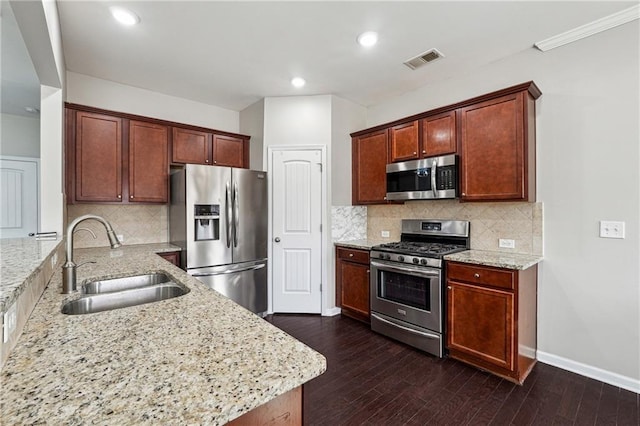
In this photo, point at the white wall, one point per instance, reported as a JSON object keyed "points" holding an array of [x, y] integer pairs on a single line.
{"points": [[20, 136], [252, 123], [86, 90], [588, 157], [40, 28], [346, 118]]}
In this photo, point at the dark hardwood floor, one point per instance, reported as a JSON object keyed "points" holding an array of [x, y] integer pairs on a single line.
{"points": [[373, 380]]}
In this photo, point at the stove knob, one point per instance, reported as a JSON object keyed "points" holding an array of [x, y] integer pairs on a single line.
{"points": [[416, 260], [423, 261], [400, 258], [388, 257]]}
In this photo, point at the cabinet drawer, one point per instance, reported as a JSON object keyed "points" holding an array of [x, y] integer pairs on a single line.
{"points": [[494, 277], [353, 255]]}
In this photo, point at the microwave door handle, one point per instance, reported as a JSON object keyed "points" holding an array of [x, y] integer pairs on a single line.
{"points": [[410, 330], [434, 170], [227, 206]]}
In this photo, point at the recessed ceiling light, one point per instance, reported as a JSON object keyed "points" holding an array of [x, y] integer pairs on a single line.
{"points": [[368, 39], [124, 16], [298, 82]]}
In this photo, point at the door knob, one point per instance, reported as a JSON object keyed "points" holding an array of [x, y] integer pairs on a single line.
{"points": [[277, 239]]}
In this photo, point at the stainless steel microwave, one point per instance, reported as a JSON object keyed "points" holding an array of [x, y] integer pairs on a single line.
{"points": [[429, 178]]}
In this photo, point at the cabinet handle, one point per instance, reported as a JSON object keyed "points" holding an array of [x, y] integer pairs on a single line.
{"points": [[350, 254], [476, 275]]}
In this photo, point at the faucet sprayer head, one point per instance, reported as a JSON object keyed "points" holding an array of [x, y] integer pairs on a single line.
{"points": [[113, 239]]}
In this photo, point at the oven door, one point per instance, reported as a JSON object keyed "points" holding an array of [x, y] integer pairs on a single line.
{"points": [[409, 293]]}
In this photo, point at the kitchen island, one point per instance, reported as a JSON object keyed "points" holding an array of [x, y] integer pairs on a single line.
{"points": [[195, 359]]}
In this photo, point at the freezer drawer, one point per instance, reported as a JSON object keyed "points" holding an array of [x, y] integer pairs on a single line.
{"points": [[244, 283]]}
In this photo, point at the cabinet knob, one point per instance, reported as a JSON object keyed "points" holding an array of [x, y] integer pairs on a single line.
{"points": [[131, 196], [215, 162], [476, 275], [385, 197], [449, 287], [368, 271], [350, 254], [119, 196], [206, 161], [414, 153], [464, 193], [424, 151]]}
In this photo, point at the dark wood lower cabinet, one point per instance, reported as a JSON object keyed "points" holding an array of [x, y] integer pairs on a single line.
{"points": [[284, 410], [352, 283], [491, 318], [171, 257]]}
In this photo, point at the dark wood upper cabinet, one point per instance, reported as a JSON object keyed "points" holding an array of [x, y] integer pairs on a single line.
{"points": [[148, 162], [498, 149], [439, 134], [96, 158], [369, 157], [229, 151], [190, 146], [404, 142]]}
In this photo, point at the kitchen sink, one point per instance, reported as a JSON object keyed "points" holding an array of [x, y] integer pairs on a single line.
{"points": [[123, 299], [124, 283]]}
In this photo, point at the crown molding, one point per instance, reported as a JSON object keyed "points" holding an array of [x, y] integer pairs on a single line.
{"points": [[595, 27]]}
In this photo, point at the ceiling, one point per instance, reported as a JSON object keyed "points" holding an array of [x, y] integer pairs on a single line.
{"points": [[232, 54]]}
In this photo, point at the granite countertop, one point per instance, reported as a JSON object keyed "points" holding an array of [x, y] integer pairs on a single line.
{"points": [[22, 258], [195, 359], [364, 244], [495, 258]]}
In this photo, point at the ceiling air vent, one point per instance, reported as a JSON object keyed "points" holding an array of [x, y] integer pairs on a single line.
{"points": [[424, 58]]}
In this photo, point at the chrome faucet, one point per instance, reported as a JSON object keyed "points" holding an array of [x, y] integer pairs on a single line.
{"points": [[69, 268]]}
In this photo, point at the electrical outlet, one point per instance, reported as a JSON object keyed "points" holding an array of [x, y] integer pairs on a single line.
{"points": [[385, 234], [504, 243], [9, 322], [611, 229], [120, 238]]}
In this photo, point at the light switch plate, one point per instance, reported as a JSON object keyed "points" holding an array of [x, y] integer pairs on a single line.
{"points": [[384, 234], [611, 229], [505, 243]]}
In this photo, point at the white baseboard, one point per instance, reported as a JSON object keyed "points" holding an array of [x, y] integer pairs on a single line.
{"points": [[331, 312], [609, 377]]}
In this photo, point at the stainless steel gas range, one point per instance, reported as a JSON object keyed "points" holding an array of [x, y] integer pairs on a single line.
{"points": [[407, 282]]}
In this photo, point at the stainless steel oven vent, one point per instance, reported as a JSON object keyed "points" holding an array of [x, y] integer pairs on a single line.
{"points": [[424, 58]]}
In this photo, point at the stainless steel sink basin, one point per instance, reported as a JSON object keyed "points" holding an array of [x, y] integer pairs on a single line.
{"points": [[123, 299], [124, 283]]}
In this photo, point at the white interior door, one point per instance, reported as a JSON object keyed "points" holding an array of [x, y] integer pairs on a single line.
{"points": [[297, 230], [18, 197]]}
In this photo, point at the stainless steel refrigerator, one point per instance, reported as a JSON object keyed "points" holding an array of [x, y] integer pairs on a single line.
{"points": [[218, 216]]}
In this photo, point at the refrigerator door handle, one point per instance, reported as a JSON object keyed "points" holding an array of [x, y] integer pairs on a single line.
{"points": [[227, 205], [230, 271], [236, 215]]}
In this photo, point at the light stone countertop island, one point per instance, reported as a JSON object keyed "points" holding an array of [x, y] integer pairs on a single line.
{"points": [[195, 359]]}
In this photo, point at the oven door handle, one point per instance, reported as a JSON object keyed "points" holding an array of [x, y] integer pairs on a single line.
{"points": [[407, 329], [434, 177], [408, 269]]}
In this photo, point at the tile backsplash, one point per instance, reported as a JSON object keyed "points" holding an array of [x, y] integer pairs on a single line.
{"points": [[348, 223], [137, 223], [521, 222]]}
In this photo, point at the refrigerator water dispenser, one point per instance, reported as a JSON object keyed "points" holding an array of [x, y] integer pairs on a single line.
{"points": [[207, 222]]}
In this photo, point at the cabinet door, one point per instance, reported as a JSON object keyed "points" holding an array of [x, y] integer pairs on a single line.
{"points": [[370, 168], [171, 257], [98, 158], [228, 151], [355, 287], [492, 154], [439, 134], [403, 142], [480, 323], [190, 147], [148, 162]]}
